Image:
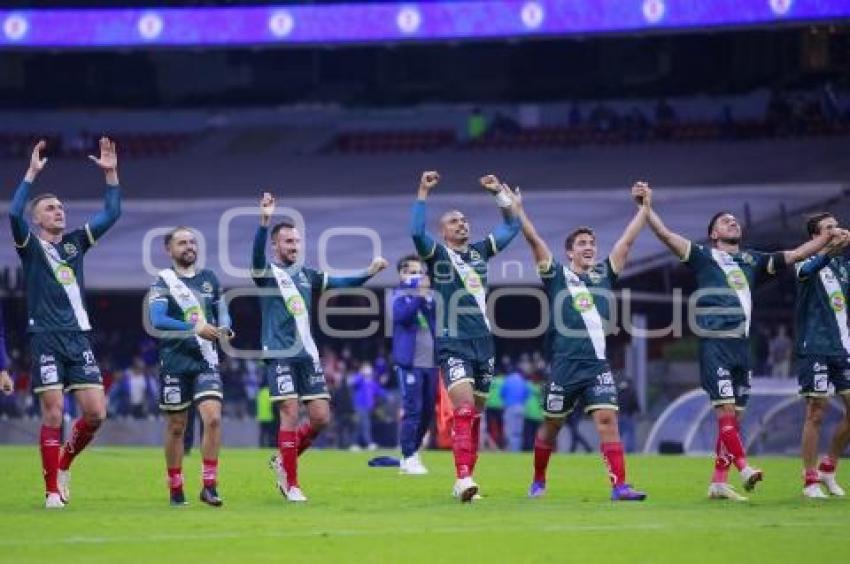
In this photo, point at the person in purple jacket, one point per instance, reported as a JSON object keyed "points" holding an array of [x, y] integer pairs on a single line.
{"points": [[413, 354], [7, 386]]}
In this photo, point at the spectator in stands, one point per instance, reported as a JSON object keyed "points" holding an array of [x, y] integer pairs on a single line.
{"points": [[494, 413], [136, 382], [366, 393], [504, 124], [629, 410], [780, 353], [265, 418], [476, 125], [533, 411], [343, 407], [514, 394]]}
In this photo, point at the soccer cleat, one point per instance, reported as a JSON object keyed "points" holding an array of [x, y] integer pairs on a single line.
{"points": [[209, 495], [828, 480], [722, 490], [412, 465], [295, 494], [63, 480], [53, 501], [750, 477], [813, 491], [276, 466], [178, 499], [625, 492], [537, 489], [465, 489]]}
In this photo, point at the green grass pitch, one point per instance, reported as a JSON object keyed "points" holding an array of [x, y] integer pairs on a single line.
{"points": [[119, 513]]}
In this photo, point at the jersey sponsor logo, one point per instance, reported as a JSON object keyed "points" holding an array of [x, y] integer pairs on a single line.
{"points": [[65, 275], [456, 369], [837, 301], [818, 367], [723, 373], [206, 287], [295, 305], [282, 369], [606, 378], [554, 402], [192, 315], [724, 388], [88, 357], [317, 379], [46, 359], [171, 395], [169, 379], [70, 249], [410, 378], [583, 302], [736, 279], [553, 387], [821, 382], [474, 255]]}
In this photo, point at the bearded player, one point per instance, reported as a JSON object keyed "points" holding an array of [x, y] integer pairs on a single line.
{"points": [[725, 274], [458, 271], [57, 321], [293, 368], [580, 298], [823, 352], [185, 301]]}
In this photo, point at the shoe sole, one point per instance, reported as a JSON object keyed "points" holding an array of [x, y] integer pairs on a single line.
{"points": [[467, 494], [213, 503], [750, 484]]}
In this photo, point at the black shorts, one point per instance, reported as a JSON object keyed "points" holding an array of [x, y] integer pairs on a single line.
{"points": [[178, 391], [63, 360], [467, 360], [816, 372], [725, 372], [570, 380], [296, 379]]}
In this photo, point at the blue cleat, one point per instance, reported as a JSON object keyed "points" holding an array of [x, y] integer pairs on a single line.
{"points": [[178, 499], [209, 495], [537, 489], [624, 492]]}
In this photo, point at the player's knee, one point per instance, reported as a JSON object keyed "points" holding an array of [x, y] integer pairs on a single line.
{"points": [[213, 422], [320, 420], [176, 428], [605, 420], [94, 419], [814, 413], [51, 416]]}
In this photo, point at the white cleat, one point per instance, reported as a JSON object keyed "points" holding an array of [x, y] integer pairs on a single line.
{"points": [[750, 477], [722, 490], [63, 480], [828, 480], [465, 489], [53, 501], [295, 494], [813, 491], [276, 466], [412, 465]]}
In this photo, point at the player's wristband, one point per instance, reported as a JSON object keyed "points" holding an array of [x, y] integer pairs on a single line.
{"points": [[503, 200]]}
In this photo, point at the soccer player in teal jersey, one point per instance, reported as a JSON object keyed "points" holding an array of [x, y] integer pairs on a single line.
{"points": [[185, 301], [580, 299], [823, 351], [458, 271], [57, 321], [293, 368], [725, 274]]}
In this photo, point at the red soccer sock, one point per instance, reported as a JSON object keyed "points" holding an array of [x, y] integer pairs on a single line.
{"points": [[476, 440], [828, 464], [462, 440], [612, 454], [48, 441], [305, 436], [730, 438], [810, 476], [721, 464], [175, 479], [81, 435], [542, 452], [209, 472], [287, 443]]}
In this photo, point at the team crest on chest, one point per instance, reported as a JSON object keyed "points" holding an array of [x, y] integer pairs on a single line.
{"points": [[474, 255], [737, 280], [206, 287], [837, 301], [70, 249], [748, 258]]}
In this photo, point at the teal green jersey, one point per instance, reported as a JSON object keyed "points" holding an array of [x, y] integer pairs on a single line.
{"points": [[580, 306], [821, 307], [55, 286], [182, 355], [725, 280]]}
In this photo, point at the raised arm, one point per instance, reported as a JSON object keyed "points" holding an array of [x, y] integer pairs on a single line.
{"points": [[539, 249], [422, 240], [675, 242], [17, 208], [378, 264], [504, 233], [259, 263], [620, 252], [812, 247], [106, 218]]}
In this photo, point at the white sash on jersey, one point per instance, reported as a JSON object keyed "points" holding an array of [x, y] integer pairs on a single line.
{"points": [[590, 315], [471, 281], [189, 304], [294, 303], [741, 286], [832, 287], [67, 279]]}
